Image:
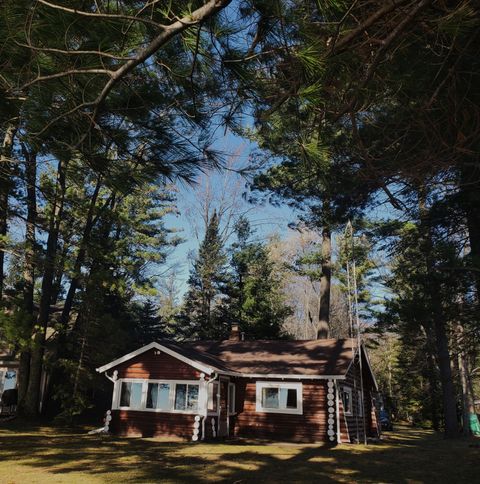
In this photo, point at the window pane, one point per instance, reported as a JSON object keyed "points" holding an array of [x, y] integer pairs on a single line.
{"points": [[10, 380], [270, 398], [291, 398], [136, 395], [180, 396], [347, 403], [164, 396], [152, 395], [212, 397], [192, 397], [125, 394], [158, 396]]}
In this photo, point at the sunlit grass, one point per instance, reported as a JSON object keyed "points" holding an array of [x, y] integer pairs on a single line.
{"points": [[44, 454]]}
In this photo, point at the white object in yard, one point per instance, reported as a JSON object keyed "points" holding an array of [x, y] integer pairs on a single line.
{"points": [[105, 428]]}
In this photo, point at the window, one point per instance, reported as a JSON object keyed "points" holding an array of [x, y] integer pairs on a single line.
{"points": [[346, 394], [360, 404], [231, 398], [158, 396], [186, 397], [131, 395], [212, 397], [10, 380], [279, 397]]}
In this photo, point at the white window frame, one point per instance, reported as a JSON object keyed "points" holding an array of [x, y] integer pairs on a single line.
{"points": [[142, 399], [187, 383], [345, 389], [143, 405], [212, 396], [298, 386], [169, 396]]}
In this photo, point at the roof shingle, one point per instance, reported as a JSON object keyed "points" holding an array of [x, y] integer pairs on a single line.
{"points": [[267, 357]]}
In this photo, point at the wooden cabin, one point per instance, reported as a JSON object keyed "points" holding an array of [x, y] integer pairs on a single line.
{"points": [[301, 391], [8, 381]]}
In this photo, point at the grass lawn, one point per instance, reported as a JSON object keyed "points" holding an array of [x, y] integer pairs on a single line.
{"points": [[45, 454]]}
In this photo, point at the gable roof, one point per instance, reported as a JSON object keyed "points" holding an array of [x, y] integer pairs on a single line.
{"points": [[272, 357], [170, 350], [310, 359]]}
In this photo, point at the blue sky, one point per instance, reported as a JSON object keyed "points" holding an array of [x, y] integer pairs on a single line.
{"points": [[265, 219]]}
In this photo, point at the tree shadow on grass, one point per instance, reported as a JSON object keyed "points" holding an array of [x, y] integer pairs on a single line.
{"points": [[407, 456]]}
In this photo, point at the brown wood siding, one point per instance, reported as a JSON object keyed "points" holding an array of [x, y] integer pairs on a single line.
{"points": [[354, 422], [152, 424], [153, 366], [309, 427]]}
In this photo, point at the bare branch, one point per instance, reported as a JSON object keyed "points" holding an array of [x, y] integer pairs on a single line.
{"points": [[71, 72], [102, 15], [74, 52], [384, 48], [345, 41], [168, 32]]}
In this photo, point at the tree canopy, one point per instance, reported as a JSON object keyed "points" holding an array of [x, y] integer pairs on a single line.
{"points": [[357, 112]]}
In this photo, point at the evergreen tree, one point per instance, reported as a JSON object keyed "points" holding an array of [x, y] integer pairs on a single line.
{"points": [[203, 315], [255, 300], [115, 293]]}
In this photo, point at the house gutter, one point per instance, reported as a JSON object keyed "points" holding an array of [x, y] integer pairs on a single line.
{"points": [[337, 412], [283, 376], [112, 379]]}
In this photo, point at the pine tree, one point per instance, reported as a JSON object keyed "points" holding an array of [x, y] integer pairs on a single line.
{"points": [[202, 315], [255, 300]]}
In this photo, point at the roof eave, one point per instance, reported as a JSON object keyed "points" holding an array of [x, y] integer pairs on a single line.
{"points": [[282, 376], [195, 364]]}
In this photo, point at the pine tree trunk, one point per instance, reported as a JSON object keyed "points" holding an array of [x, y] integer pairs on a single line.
{"points": [[432, 387], [32, 400], [468, 408], [325, 282], [61, 259], [467, 398], [432, 380], [80, 257], [5, 187], [431, 375], [439, 326], [29, 267], [448, 387]]}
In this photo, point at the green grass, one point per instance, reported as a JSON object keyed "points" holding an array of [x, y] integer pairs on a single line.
{"points": [[45, 454]]}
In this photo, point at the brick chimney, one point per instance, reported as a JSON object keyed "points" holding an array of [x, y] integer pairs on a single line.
{"points": [[234, 333]]}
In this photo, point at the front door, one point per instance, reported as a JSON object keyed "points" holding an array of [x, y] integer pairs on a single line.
{"points": [[223, 408]]}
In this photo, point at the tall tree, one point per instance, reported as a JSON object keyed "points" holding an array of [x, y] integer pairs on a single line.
{"points": [[325, 78], [202, 312], [256, 301], [132, 68]]}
